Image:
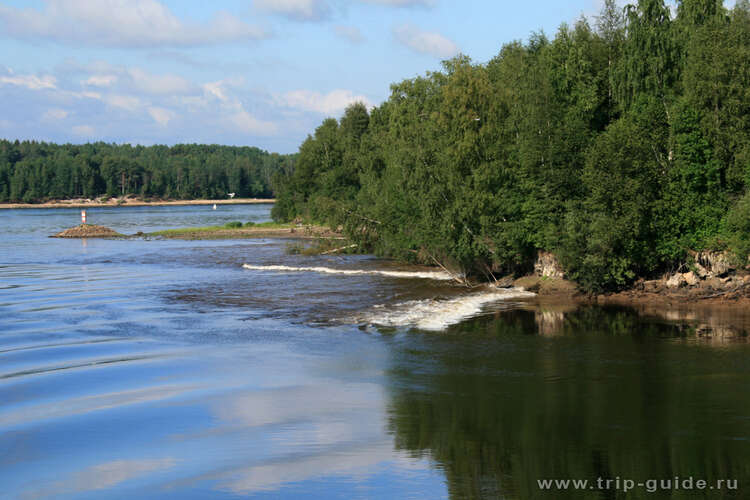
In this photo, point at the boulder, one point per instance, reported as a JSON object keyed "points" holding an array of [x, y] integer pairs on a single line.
{"points": [[676, 281], [701, 271], [547, 265], [714, 263], [691, 278]]}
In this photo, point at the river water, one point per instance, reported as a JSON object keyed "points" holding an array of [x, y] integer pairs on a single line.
{"points": [[165, 369]]}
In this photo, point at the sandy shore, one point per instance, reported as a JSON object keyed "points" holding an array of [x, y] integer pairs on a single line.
{"points": [[132, 202]]}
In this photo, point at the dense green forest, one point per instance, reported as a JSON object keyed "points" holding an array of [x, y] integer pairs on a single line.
{"points": [[37, 171], [620, 144]]}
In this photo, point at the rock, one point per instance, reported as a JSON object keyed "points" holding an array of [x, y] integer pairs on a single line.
{"points": [[715, 263], [713, 284], [88, 231], [547, 265], [505, 282], [691, 278], [676, 281], [652, 285], [701, 271]]}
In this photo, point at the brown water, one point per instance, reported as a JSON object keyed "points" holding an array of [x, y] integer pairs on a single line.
{"points": [[163, 369]]}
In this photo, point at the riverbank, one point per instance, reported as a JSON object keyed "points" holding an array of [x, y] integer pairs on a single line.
{"points": [[654, 297], [716, 319], [132, 202]]}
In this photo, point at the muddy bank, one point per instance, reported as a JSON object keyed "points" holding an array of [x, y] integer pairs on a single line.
{"points": [[131, 202]]}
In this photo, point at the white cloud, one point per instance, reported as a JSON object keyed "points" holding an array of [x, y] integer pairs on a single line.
{"points": [[88, 95], [350, 33], [333, 102], [121, 23], [250, 124], [425, 42], [403, 3], [158, 84], [160, 115], [100, 81], [216, 90], [104, 75], [217, 96], [132, 105], [54, 114], [298, 10], [126, 102], [31, 82], [84, 130]]}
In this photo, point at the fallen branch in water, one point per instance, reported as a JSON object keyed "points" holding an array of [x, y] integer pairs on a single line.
{"points": [[339, 249], [457, 278]]}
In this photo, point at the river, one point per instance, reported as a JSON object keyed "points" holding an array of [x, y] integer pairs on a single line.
{"points": [[165, 369]]}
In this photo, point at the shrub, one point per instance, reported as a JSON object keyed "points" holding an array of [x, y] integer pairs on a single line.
{"points": [[738, 227]]}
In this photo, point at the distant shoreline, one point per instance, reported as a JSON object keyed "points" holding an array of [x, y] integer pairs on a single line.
{"points": [[131, 202]]}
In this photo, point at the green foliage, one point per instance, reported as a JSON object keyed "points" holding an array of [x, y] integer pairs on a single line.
{"points": [[738, 228], [618, 148], [37, 171], [610, 233], [233, 225]]}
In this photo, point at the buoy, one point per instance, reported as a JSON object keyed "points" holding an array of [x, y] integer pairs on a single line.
{"points": [[214, 206], [83, 217]]}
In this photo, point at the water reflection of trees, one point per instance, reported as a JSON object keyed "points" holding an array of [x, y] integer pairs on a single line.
{"points": [[497, 409]]}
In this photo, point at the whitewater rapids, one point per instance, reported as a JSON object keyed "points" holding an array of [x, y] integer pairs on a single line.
{"points": [[435, 275], [437, 314]]}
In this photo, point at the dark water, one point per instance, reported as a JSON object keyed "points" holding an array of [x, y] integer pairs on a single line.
{"points": [[163, 369]]}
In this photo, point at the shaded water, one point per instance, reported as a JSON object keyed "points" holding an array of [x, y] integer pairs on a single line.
{"points": [[164, 369]]}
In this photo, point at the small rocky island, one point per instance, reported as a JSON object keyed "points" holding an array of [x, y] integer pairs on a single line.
{"points": [[88, 231]]}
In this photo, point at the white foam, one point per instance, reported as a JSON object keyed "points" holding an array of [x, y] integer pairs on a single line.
{"points": [[436, 315], [435, 275]]}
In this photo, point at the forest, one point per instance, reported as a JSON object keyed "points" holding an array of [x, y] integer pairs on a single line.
{"points": [[620, 144], [37, 171]]}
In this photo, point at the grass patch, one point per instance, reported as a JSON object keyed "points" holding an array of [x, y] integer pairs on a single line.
{"points": [[271, 225], [234, 228], [187, 230]]}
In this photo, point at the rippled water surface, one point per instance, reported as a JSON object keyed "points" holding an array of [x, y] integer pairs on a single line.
{"points": [[166, 369]]}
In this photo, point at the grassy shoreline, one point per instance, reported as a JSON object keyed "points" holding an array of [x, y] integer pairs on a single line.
{"points": [[250, 230], [133, 202]]}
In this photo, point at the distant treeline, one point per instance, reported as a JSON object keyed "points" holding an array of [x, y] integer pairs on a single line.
{"points": [[618, 146], [38, 171]]}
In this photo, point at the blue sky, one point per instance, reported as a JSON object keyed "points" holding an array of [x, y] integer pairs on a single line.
{"points": [[262, 72]]}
